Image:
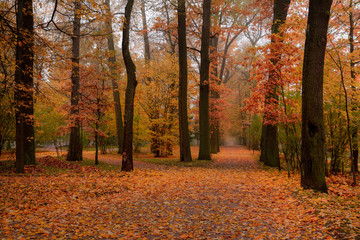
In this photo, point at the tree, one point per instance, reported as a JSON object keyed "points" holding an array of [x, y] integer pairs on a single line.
{"points": [[269, 138], [116, 94], [214, 97], [75, 144], [313, 138], [185, 152], [349, 119], [96, 102], [230, 20], [159, 99], [50, 120], [354, 134], [145, 33], [153, 113], [7, 63], [24, 103], [127, 160], [204, 125], [7, 123], [159, 78]]}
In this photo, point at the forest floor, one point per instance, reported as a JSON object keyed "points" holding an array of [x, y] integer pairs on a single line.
{"points": [[231, 197]]}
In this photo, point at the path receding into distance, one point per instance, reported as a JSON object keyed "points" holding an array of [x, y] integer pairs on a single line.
{"points": [[232, 198]]}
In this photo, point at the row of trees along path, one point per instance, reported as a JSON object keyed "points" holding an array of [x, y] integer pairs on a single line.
{"points": [[231, 197], [312, 135]]}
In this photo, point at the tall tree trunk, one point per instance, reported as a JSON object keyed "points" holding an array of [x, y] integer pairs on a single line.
{"points": [[2, 141], [172, 108], [171, 120], [75, 144], [269, 139], [313, 137], [185, 152], [24, 88], [96, 143], [169, 37], [214, 127], [355, 129], [215, 134], [155, 143], [127, 161], [99, 115], [204, 126], [145, 32], [114, 75]]}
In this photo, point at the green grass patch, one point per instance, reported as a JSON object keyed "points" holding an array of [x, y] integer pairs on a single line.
{"points": [[58, 165], [53, 170], [108, 149], [177, 163], [102, 166]]}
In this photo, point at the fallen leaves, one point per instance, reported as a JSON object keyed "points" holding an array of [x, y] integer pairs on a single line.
{"points": [[48, 161], [231, 199]]}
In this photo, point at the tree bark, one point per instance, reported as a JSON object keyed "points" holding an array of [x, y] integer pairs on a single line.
{"points": [[115, 86], [2, 141], [145, 33], [169, 37], [127, 160], [24, 88], [215, 137], [214, 127], [355, 129], [269, 139], [185, 152], [97, 142], [313, 138], [204, 125], [75, 144], [155, 142]]}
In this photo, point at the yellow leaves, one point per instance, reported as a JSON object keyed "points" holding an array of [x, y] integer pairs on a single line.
{"points": [[186, 236], [232, 198], [108, 235]]}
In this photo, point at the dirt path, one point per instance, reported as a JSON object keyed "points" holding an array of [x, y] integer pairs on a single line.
{"points": [[233, 199]]}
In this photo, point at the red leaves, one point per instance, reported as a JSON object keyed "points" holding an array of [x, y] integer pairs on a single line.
{"points": [[341, 186], [49, 161], [277, 73], [231, 198], [32, 169]]}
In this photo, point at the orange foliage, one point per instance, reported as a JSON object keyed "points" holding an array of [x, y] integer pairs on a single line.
{"points": [[230, 198]]}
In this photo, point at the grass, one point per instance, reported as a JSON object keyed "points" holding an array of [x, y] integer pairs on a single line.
{"points": [[53, 170], [102, 166], [108, 149], [175, 162], [8, 166]]}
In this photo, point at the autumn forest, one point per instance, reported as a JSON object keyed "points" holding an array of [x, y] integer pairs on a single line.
{"points": [[179, 119]]}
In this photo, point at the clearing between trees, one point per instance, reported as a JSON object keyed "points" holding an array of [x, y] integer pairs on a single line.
{"points": [[232, 197]]}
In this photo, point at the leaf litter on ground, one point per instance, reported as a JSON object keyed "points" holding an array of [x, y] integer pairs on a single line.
{"points": [[232, 198]]}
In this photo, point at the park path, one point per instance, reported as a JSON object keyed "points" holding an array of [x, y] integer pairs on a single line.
{"points": [[233, 198]]}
